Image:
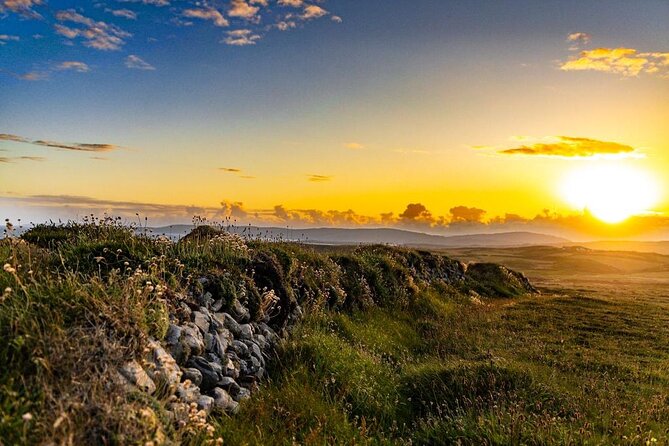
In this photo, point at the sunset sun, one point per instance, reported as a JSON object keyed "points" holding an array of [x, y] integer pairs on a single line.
{"points": [[612, 193]]}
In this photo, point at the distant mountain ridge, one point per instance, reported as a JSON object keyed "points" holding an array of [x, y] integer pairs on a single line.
{"points": [[345, 236]]}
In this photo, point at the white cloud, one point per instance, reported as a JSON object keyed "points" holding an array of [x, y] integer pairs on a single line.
{"points": [[239, 8], [125, 13], [137, 63], [241, 37], [313, 12], [79, 67]]}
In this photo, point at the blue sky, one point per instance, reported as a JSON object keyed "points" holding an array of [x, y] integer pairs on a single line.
{"points": [[189, 87]]}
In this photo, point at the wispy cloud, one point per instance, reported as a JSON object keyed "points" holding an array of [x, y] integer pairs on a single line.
{"points": [[578, 40], [125, 13], [96, 34], [77, 147], [572, 147], [354, 145], [319, 178], [230, 169], [4, 38], [79, 67], [4, 159], [22, 7], [137, 63], [207, 13], [241, 37]]}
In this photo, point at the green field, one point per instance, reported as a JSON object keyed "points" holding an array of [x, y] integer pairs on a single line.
{"points": [[405, 359], [585, 362]]}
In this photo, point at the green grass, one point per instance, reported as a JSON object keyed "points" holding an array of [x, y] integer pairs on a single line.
{"points": [[387, 352]]}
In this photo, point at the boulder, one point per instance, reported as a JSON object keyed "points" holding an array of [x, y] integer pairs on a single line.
{"points": [[223, 401], [137, 376]]}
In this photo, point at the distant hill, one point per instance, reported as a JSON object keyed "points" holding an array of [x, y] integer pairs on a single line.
{"points": [[341, 236], [622, 245]]}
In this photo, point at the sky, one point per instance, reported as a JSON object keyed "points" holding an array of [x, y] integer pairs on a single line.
{"points": [[447, 116]]}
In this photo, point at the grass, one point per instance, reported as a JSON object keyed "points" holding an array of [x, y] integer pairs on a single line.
{"points": [[386, 354]]}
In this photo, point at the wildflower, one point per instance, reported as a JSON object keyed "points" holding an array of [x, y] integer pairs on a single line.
{"points": [[99, 259], [8, 268], [8, 290], [27, 416]]}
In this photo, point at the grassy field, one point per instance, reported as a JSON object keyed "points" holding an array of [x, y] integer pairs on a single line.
{"points": [[386, 354], [586, 362]]}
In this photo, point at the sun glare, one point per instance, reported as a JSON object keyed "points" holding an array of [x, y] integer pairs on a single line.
{"points": [[612, 193]]}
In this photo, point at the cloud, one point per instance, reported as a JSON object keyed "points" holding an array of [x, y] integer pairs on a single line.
{"points": [[22, 7], [313, 12], [77, 147], [571, 147], [627, 62], [292, 3], [4, 38], [125, 13], [4, 159], [337, 19], [230, 169], [207, 13], [239, 8], [416, 212], [233, 209], [241, 37], [319, 178], [354, 145], [137, 63], [464, 214], [99, 35], [578, 39], [34, 76], [148, 2], [79, 67]]}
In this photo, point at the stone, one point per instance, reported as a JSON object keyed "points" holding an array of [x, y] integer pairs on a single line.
{"points": [[254, 348], [217, 305], [260, 373], [192, 374], [208, 341], [261, 341], [223, 401], [246, 332], [219, 345], [192, 339], [230, 323], [211, 372], [201, 321], [173, 334], [241, 349], [206, 403], [166, 368], [230, 368], [241, 312], [138, 377], [206, 299], [242, 395], [229, 384]]}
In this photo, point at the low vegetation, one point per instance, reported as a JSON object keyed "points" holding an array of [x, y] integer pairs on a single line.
{"points": [[396, 346]]}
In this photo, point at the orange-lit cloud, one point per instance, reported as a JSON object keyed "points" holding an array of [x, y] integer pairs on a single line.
{"points": [[627, 62], [96, 34], [571, 147], [22, 7], [207, 13]]}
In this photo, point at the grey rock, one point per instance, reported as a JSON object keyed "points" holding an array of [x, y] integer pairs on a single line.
{"points": [[229, 384], [219, 345], [230, 323], [206, 299], [137, 376], [166, 368], [230, 368], [201, 320], [242, 395], [206, 403], [255, 364], [223, 401], [211, 372], [246, 332], [192, 374], [241, 349], [241, 312], [185, 310], [192, 339], [217, 305], [260, 373], [261, 341], [255, 349], [208, 341], [173, 334]]}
